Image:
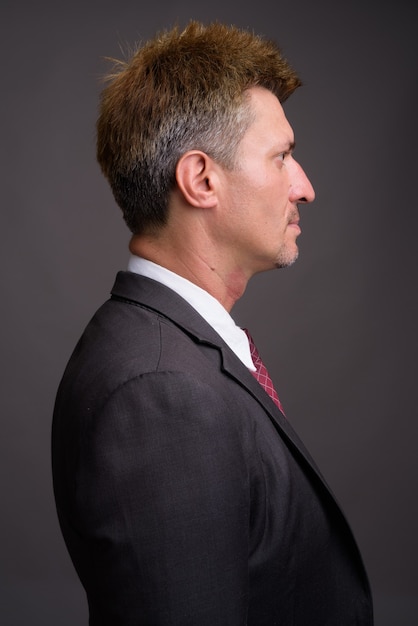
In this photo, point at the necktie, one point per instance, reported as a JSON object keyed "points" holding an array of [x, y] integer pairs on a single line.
{"points": [[261, 373]]}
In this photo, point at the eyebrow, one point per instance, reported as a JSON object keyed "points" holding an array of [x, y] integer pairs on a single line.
{"points": [[287, 147]]}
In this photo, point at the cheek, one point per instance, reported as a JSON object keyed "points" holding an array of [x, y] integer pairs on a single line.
{"points": [[277, 191], [278, 211]]}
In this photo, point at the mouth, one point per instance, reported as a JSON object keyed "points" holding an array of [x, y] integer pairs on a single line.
{"points": [[294, 222]]}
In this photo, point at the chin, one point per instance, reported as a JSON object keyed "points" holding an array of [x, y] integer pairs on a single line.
{"points": [[286, 258]]}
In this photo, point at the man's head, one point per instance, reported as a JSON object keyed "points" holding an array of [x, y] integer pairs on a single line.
{"points": [[181, 91]]}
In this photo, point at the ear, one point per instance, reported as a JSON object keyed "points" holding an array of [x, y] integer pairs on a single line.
{"points": [[196, 178]]}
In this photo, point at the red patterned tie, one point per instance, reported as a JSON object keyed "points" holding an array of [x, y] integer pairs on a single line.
{"points": [[261, 373]]}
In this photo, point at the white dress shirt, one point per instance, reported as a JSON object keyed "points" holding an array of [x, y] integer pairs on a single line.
{"points": [[205, 304]]}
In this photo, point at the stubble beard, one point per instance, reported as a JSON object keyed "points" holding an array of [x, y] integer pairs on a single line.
{"points": [[285, 258]]}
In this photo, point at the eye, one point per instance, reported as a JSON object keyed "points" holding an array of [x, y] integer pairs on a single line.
{"points": [[282, 156]]}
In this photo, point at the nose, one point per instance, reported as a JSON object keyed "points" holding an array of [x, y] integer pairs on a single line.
{"points": [[301, 189]]}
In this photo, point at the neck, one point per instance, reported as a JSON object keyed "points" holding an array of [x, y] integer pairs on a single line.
{"points": [[195, 260]]}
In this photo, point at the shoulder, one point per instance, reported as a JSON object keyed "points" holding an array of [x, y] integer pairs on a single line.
{"points": [[129, 349]]}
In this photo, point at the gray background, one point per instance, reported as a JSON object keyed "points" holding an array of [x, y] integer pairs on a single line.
{"points": [[337, 330]]}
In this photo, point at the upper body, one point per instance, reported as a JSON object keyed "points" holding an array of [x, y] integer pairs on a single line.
{"points": [[183, 494], [185, 497]]}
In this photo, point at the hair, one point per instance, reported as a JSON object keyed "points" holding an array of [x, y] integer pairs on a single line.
{"points": [[182, 90]]}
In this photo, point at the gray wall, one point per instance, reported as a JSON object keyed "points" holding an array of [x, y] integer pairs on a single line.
{"points": [[337, 330]]}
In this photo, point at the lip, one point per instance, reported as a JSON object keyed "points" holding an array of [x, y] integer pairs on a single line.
{"points": [[295, 224]]}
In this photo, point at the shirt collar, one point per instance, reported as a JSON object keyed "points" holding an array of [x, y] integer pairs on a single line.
{"points": [[205, 304]]}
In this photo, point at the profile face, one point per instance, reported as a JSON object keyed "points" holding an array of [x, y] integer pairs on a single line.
{"points": [[261, 194]]}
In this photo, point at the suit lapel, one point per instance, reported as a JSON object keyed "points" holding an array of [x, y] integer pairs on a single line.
{"points": [[283, 425]]}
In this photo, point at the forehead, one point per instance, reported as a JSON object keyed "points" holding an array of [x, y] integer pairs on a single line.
{"points": [[270, 122]]}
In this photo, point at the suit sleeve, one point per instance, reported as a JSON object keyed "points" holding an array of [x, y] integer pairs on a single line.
{"points": [[161, 506]]}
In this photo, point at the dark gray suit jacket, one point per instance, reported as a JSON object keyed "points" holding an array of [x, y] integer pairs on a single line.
{"points": [[184, 496]]}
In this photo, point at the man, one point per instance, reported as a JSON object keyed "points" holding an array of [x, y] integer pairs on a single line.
{"points": [[183, 493]]}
